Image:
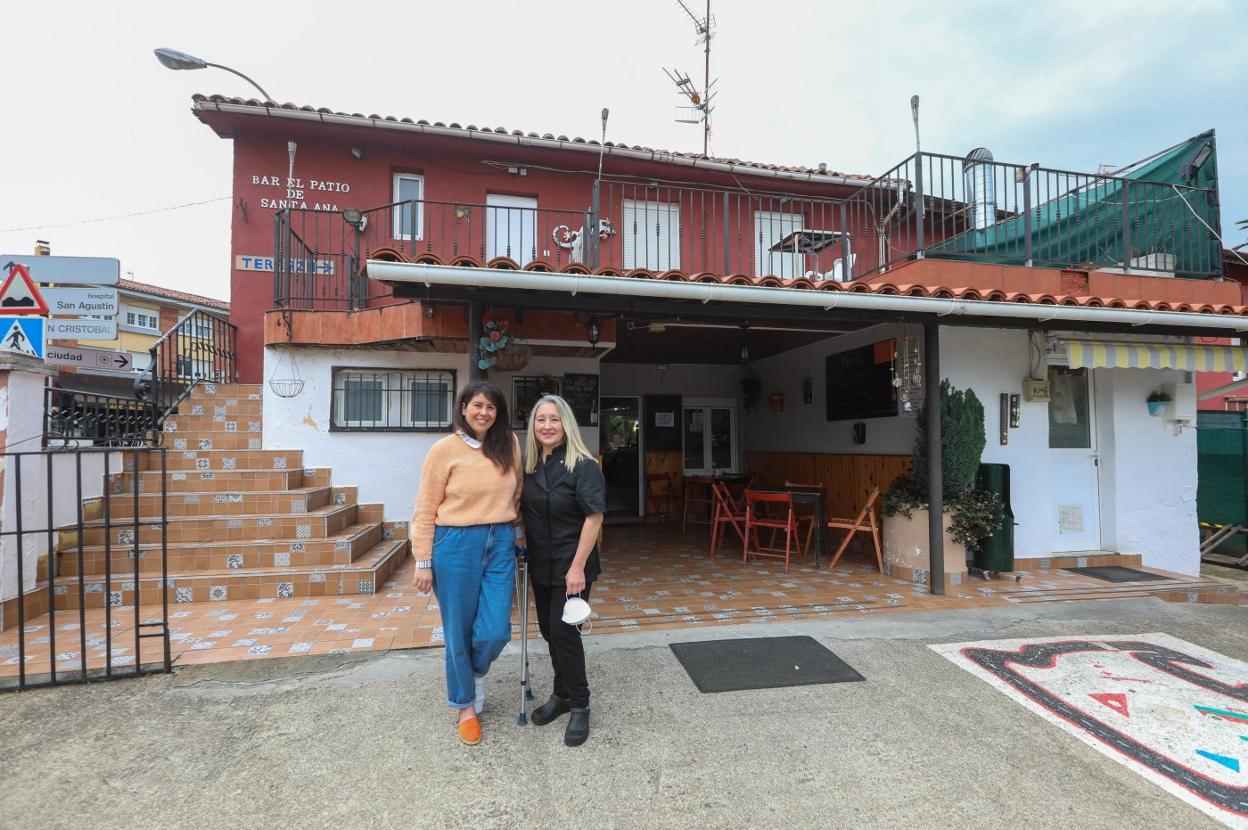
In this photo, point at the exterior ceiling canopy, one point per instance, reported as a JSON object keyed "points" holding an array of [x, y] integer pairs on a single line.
{"points": [[1095, 354]]}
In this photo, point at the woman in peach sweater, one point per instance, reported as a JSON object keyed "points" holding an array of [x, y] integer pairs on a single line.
{"points": [[465, 530]]}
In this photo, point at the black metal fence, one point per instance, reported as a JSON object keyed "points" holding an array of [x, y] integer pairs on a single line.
{"points": [[200, 347], [72, 418], [930, 205], [65, 539]]}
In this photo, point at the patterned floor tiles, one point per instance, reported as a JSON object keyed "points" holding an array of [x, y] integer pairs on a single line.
{"points": [[654, 577]]}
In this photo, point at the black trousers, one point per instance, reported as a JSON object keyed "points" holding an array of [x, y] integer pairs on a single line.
{"points": [[567, 655]]}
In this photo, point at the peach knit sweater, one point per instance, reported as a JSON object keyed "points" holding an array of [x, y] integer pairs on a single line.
{"points": [[459, 487]]}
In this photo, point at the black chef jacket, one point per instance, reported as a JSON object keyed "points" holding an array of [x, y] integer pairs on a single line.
{"points": [[554, 505]]}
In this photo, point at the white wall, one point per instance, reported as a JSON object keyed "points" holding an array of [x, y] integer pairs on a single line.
{"points": [[21, 417], [803, 427], [384, 465], [688, 380], [1147, 472], [1152, 474]]}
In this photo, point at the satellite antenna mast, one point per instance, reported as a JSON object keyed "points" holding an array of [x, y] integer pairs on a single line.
{"points": [[701, 109]]}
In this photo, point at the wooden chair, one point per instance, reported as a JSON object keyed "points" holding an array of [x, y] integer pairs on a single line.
{"points": [[866, 521], [728, 511], [661, 493], [758, 515], [805, 512]]}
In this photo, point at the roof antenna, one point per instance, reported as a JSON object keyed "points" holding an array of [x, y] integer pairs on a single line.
{"points": [[700, 112]]}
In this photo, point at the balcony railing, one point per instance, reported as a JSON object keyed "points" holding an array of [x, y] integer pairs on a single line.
{"points": [[73, 418], [930, 205], [199, 348]]}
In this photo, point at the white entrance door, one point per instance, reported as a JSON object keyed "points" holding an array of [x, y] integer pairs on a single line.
{"points": [[710, 435], [510, 227], [1073, 461]]}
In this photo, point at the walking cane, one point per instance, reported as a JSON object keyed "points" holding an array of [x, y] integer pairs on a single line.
{"points": [[522, 577]]}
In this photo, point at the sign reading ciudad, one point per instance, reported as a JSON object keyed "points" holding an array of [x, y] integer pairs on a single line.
{"points": [[299, 194]]}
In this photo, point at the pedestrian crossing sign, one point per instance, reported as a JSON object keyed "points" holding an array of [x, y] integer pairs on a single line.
{"points": [[22, 335]]}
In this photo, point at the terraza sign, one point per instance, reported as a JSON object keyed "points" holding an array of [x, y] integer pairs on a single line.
{"points": [[295, 193]]}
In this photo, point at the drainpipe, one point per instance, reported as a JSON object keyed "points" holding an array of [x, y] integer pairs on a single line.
{"points": [[476, 311], [935, 483]]}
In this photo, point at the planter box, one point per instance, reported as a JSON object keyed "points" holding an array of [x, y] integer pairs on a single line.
{"points": [[905, 550]]}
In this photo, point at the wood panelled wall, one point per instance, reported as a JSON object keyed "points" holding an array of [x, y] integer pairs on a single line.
{"points": [[847, 479]]}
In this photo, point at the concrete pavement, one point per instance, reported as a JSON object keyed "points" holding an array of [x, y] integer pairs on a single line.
{"points": [[366, 742]]}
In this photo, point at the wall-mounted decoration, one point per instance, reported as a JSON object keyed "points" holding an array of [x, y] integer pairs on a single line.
{"points": [[808, 389], [1004, 418], [777, 402], [570, 238]]}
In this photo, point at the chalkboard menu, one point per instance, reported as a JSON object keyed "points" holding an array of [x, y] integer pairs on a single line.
{"points": [[662, 423], [860, 383], [581, 393]]}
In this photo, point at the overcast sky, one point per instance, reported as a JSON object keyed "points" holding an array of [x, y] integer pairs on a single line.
{"points": [[94, 127]]}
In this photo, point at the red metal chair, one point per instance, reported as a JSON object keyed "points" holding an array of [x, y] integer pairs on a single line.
{"points": [[728, 511], [759, 515]]}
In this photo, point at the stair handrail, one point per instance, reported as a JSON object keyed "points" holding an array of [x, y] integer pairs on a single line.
{"points": [[165, 381]]}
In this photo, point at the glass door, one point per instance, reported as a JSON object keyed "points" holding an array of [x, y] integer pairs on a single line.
{"points": [[710, 437], [619, 434]]}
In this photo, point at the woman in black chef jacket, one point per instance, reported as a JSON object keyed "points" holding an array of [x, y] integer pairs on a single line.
{"points": [[562, 505]]}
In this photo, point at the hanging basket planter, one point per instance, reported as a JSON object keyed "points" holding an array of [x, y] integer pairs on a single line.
{"points": [[513, 358], [288, 383], [287, 387]]}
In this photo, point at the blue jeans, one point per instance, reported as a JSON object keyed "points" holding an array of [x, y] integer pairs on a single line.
{"points": [[474, 570]]}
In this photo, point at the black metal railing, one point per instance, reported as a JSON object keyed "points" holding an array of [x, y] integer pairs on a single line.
{"points": [[73, 418], [71, 546], [930, 205], [200, 347]]}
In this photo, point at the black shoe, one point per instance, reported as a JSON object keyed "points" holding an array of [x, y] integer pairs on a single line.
{"points": [[578, 727], [550, 710]]}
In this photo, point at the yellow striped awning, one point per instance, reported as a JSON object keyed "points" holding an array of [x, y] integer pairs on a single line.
{"points": [[1189, 357]]}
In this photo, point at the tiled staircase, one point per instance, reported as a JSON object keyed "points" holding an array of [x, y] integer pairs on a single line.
{"points": [[243, 522]]}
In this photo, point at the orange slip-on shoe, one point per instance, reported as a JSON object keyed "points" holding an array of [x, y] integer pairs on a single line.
{"points": [[470, 731]]}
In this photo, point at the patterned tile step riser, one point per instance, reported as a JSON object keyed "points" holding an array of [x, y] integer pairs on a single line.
{"points": [[183, 505], [362, 578], [1196, 591], [178, 442], [183, 481], [204, 425], [225, 529], [226, 460], [311, 553]]}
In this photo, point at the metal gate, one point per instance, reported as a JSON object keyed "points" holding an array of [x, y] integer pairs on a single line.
{"points": [[68, 514]]}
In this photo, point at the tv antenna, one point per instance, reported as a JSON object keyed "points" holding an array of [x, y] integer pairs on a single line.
{"points": [[700, 100]]}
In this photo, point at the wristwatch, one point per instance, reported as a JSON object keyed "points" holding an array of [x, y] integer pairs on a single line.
{"points": [[424, 563]]}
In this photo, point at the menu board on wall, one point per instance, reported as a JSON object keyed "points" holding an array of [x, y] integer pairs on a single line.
{"points": [[860, 383], [581, 393], [661, 416]]}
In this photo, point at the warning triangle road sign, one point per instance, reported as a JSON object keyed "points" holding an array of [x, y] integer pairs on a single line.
{"points": [[20, 296]]}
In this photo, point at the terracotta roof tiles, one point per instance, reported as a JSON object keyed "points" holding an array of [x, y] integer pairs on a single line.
{"points": [[169, 293], [884, 288]]}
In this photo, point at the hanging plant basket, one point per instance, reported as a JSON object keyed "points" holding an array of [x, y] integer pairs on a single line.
{"points": [[287, 387], [513, 358]]}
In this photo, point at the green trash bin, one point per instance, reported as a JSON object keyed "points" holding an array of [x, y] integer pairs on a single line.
{"points": [[996, 551]]}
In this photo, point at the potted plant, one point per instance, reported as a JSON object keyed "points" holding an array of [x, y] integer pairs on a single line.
{"points": [[1157, 402], [751, 392], [972, 514]]}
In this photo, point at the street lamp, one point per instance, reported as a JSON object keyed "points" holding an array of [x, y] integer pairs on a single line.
{"points": [[173, 59]]}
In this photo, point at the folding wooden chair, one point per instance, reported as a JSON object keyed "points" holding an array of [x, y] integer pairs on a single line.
{"points": [[865, 522], [727, 512], [757, 505], [805, 512], [661, 493]]}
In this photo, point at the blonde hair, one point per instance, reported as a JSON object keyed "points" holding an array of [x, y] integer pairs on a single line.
{"points": [[571, 435]]}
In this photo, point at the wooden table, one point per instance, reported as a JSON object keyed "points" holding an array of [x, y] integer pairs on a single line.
{"points": [[812, 497], [699, 482]]}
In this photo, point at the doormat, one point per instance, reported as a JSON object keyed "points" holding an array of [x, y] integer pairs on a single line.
{"points": [[1173, 712], [1116, 573], [760, 663]]}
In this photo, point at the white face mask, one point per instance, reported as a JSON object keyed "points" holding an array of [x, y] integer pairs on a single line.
{"points": [[576, 611]]}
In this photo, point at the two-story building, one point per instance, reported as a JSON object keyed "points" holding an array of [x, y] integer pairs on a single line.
{"points": [[709, 315]]}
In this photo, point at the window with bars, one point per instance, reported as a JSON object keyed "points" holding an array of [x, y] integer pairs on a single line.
{"points": [[392, 400]]}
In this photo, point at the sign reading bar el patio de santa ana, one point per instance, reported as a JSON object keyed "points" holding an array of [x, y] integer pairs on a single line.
{"points": [[298, 193]]}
